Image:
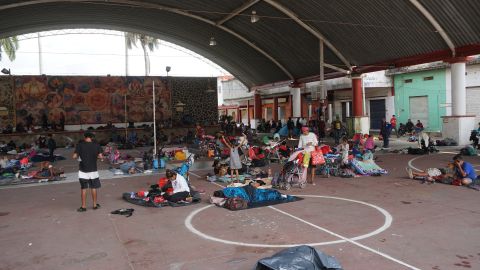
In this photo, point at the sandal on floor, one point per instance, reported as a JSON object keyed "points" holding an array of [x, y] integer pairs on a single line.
{"points": [[96, 206], [81, 209]]}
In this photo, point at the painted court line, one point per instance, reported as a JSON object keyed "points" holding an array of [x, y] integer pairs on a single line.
{"points": [[410, 164], [347, 239], [388, 221], [385, 226]]}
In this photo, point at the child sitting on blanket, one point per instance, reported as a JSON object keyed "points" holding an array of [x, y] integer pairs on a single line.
{"points": [[343, 149]]}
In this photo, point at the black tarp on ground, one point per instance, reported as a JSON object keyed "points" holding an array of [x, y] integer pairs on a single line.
{"points": [[300, 257]]}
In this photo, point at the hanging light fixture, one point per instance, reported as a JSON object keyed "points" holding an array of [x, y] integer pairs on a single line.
{"points": [[6, 71], [254, 17], [213, 42], [179, 106]]}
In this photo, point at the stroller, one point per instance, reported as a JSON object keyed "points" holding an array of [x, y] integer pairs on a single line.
{"points": [[292, 172]]}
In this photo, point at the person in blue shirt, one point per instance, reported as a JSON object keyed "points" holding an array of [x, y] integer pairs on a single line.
{"points": [[464, 170]]}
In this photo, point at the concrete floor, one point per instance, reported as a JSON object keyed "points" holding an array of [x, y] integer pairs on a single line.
{"points": [[432, 226]]}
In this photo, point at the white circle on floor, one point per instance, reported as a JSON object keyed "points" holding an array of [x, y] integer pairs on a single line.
{"points": [[386, 225]]}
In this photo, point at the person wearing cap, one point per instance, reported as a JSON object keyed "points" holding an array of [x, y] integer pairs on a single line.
{"points": [[88, 152], [308, 140]]}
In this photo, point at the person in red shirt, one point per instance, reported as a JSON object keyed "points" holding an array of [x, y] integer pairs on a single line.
{"points": [[393, 122]]}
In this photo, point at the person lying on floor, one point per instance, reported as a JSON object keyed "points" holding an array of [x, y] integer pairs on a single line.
{"points": [[47, 171], [181, 190], [433, 174], [129, 167]]}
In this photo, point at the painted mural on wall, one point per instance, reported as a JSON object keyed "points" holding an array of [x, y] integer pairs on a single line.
{"points": [[6, 101], [91, 100]]}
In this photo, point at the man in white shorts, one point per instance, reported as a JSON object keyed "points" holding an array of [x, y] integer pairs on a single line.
{"points": [[87, 152]]}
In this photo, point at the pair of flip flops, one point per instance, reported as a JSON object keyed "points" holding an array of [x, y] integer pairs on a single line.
{"points": [[81, 209], [127, 212]]}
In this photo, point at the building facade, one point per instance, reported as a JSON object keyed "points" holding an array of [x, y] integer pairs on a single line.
{"points": [[424, 93]]}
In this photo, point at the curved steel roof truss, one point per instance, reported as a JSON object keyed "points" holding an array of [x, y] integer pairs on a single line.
{"points": [[435, 24], [168, 9], [310, 29]]}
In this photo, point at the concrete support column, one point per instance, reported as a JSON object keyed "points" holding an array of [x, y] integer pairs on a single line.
{"points": [[459, 91], [257, 116], [357, 96], [330, 113], [358, 122], [296, 102], [275, 109], [458, 125], [258, 107], [248, 112]]}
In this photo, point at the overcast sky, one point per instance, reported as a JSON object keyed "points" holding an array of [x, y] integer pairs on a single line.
{"points": [[85, 53]]}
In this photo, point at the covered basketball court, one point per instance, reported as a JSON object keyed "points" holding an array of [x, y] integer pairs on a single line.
{"points": [[388, 222], [383, 223]]}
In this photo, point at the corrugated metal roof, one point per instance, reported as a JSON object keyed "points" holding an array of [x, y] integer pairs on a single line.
{"points": [[277, 48], [459, 18]]}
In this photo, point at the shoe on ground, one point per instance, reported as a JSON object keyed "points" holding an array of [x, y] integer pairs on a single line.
{"points": [[96, 207], [81, 209]]}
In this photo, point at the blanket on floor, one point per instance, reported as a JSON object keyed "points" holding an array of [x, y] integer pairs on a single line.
{"points": [[150, 201], [367, 167], [255, 197]]}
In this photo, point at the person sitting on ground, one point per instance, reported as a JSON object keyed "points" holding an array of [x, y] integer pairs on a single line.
{"points": [[419, 126], [464, 171], [128, 167], [369, 143], [409, 126], [343, 149], [358, 140], [181, 190], [3, 162]]}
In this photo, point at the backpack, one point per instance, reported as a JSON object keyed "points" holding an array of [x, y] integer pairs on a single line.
{"points": [[236, 203]]}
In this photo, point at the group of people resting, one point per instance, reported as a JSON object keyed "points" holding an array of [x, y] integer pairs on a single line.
{"points": [[458, 172], [362, 152]]}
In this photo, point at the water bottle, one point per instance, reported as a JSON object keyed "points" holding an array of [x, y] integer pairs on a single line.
{"points": [[269, 172], [155, 163]]}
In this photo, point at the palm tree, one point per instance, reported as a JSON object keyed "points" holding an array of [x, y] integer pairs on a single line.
{"points": [[9, 45], [146, 42]]}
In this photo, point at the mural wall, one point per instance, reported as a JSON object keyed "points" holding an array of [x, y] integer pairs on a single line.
{"points": [[6, 101], [89, 100], [97, 100], [200, 105]]}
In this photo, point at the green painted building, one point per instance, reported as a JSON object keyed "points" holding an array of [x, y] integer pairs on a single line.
{"points": [[421, 96]]}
